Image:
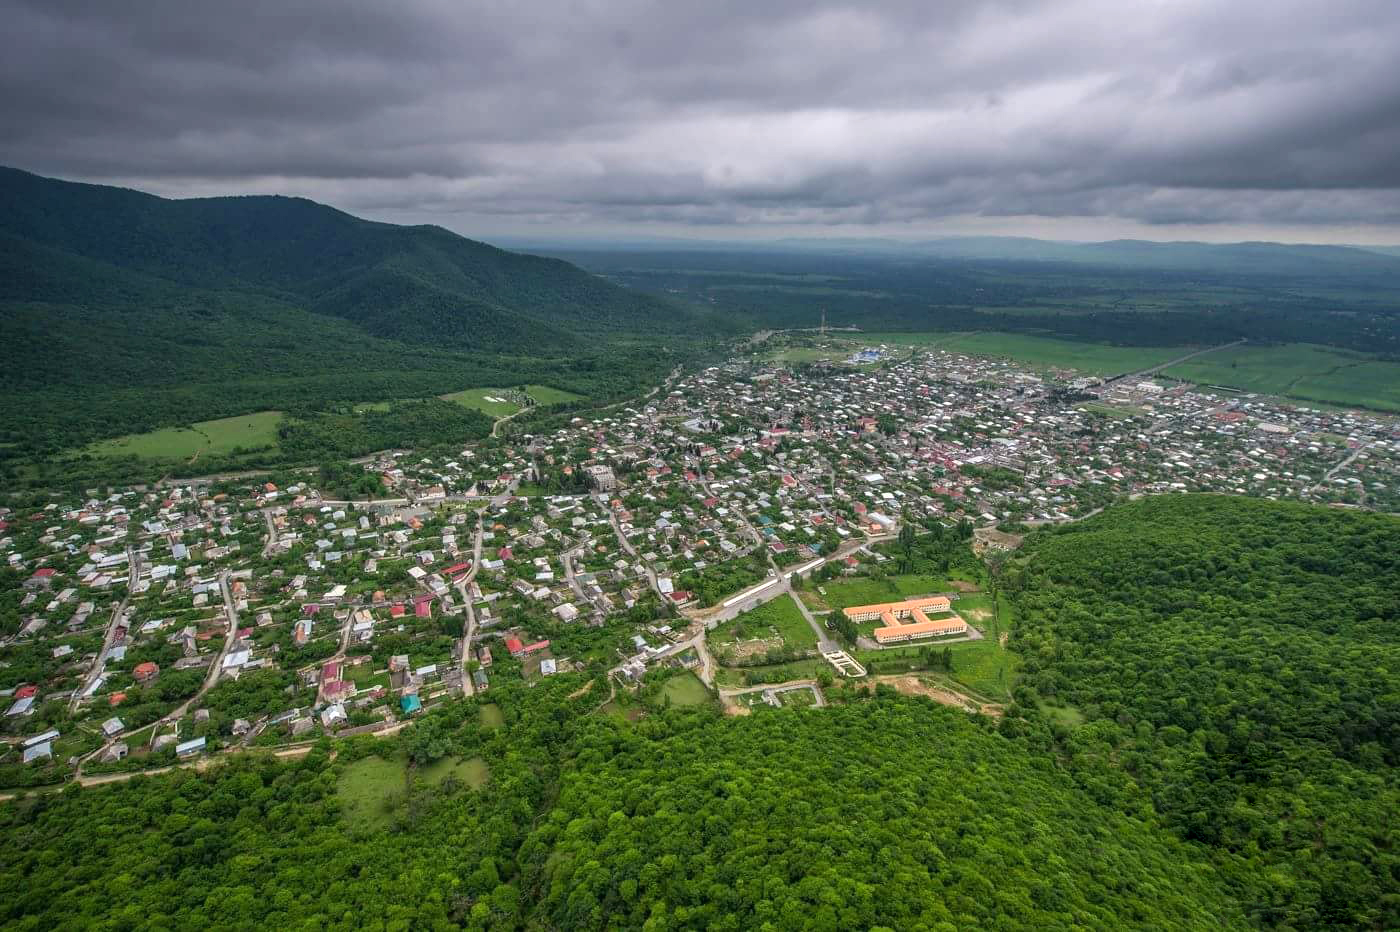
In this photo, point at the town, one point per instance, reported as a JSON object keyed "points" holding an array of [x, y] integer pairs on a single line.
{"points": [[754, 532]]}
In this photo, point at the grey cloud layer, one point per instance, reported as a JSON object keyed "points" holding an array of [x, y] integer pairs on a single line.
{"points": [[1163, 111]]}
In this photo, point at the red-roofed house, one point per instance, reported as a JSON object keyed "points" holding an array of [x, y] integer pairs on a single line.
{"points": [[423, 609], [337, 690], [42, 577], [145, 672], [396, 610], [515, 647], [531, 648]]}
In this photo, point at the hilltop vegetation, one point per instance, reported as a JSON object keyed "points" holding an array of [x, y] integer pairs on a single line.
{"points": [[1240, 660], [888, 813]]}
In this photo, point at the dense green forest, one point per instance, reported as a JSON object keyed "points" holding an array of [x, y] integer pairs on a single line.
{"points": [[1240, 660], [121, 312], [884, 813]]}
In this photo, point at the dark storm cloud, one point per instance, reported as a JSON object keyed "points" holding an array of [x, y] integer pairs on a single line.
{"points": [[725, 112]]}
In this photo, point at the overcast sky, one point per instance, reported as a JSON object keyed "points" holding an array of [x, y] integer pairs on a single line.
{"points": [[1083, 119]]}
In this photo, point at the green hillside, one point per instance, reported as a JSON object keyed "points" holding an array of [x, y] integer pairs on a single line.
{"points": [[1240, 660], [121, 312], [890, 813]]}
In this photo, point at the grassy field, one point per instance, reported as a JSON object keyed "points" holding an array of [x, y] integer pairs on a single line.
{"points": [[685, 689], [781, 615], [477, 398], [861, 590], [1117, 413], [1299, 370], [209, 437], [773, 673], [369, 789], [472, 772], [492, 716]]}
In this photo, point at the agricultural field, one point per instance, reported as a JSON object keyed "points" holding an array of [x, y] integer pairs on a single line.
{"points": [[492, 401], [1299, 370], [221, 436]]}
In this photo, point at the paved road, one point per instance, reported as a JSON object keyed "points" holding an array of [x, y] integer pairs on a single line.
{"points": [[632, 552], [567, 558], [179, 711], [824, 643], [271, 532], [469, 623], [217, 667], [133, 559], [1347, 461], [778, 584], [706, 671]]}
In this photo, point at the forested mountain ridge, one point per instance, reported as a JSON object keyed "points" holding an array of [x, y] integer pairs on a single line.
{"points": [[1240, 659], [305, 253], [121, 312]]}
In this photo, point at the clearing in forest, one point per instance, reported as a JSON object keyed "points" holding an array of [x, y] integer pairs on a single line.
{"points": [[472, 772], [500, 402], [222, 436], [492, 716], [370, 789]]}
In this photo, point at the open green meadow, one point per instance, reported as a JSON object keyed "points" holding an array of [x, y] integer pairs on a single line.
{"points": [[369, 789], [1299, 370], [780, 615], [221, 436], [862, 590], [491, 400], [685, 689], [772, 673], [492, 716], [473, 772]]}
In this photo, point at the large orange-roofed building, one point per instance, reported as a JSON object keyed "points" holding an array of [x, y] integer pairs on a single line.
{"points": [[908, 620]]}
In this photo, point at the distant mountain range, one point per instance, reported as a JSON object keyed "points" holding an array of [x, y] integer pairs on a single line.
{"points": [[1258, 258], [1252, 258]]}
